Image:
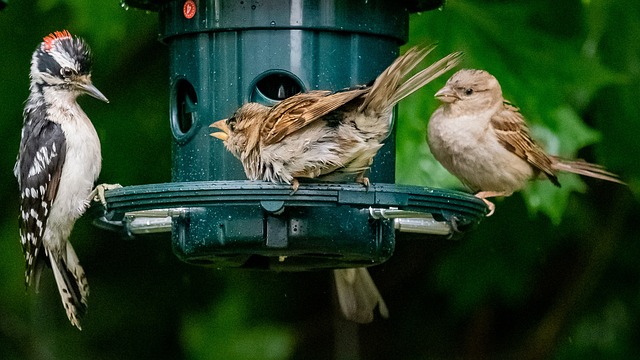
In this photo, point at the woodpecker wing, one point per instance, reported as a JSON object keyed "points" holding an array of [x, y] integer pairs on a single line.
{"points": [[38, 171], [298, 111]]}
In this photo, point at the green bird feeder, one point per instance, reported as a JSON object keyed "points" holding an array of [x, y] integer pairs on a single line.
{"points": [[226, 53]]}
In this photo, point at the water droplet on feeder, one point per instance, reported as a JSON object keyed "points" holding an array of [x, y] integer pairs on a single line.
{"points": [[253, 7], [273, 23]]}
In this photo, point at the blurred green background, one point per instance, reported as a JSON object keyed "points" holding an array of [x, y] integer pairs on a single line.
{"points": [[553, 274]]}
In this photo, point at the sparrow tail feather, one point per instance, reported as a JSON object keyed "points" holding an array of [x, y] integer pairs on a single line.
{"points": [[584, 168], [389, 81], [425, 76], [358, 295]]}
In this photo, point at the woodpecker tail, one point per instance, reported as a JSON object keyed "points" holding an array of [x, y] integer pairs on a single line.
{"points": [[72, 284], [388, 89], [584, 168], [358, 295]]}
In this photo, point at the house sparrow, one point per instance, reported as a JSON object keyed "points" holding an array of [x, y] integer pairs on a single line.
{"points": [[329, 136], [484, 141]]}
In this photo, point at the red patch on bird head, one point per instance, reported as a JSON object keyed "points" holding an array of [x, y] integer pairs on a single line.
{"points": [[49, 39]]}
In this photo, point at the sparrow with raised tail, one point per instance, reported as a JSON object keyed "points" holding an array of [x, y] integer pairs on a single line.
{"points": [[484, 141], [324, 135], [329, 136]]}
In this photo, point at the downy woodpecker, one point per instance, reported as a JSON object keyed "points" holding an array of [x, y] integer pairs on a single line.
{"points": [[58, 163]]}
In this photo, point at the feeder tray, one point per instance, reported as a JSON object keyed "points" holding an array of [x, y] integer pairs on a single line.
{"points": [[260, 225]]}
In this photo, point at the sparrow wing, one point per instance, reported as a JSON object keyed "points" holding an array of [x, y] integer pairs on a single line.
{"points": [[298, 111], [513, 133]]}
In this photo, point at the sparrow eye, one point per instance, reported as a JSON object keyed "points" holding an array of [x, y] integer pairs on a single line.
{"points": [[66, 72], [231, 123], [468, 91]]}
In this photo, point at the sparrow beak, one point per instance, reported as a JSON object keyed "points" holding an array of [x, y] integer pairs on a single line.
{"points": [[222, 125], [447, 95], [88, 88]]}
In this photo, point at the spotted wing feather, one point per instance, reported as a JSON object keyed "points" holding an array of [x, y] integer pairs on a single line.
{"points": [[38, 171], [513, 133]]}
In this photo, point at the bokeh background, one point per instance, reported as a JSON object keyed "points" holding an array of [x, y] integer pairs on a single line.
{"points": [[553, 274]]}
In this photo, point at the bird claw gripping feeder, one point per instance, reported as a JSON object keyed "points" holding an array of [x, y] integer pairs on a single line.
{"points": [[226, 53]]}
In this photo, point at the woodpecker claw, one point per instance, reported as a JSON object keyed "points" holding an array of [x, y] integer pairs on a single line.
{"points": [[98, 193]]}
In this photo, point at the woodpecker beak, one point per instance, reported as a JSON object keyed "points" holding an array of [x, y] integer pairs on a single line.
{"points": [[93, 91], [221, 125], [447, 95]]}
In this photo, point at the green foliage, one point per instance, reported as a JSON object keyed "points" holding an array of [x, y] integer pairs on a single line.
{"points": [[604, 334], [501, 267], [228, 330]]}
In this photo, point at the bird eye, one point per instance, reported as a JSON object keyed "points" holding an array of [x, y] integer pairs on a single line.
{"points": [[231, 123], [66, 72], [468, 91]]}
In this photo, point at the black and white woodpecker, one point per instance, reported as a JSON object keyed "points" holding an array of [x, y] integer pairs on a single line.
{"points": [[58, 163]]}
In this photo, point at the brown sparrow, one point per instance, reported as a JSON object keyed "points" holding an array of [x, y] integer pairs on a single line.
{"points": [[484, 141], [329, 136]]}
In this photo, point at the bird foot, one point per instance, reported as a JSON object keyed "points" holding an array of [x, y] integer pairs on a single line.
{"points": [[483, 195], [98, 193], [490, 205], [294, 186], [364, 181]]}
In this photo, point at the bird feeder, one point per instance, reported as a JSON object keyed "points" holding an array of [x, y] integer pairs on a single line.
{"points": [[226, 53]]}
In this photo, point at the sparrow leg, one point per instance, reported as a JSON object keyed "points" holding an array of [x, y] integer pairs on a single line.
{"points": [[363, 180], [490, 205], [486, 194], [98, 193], [294, 185]]}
